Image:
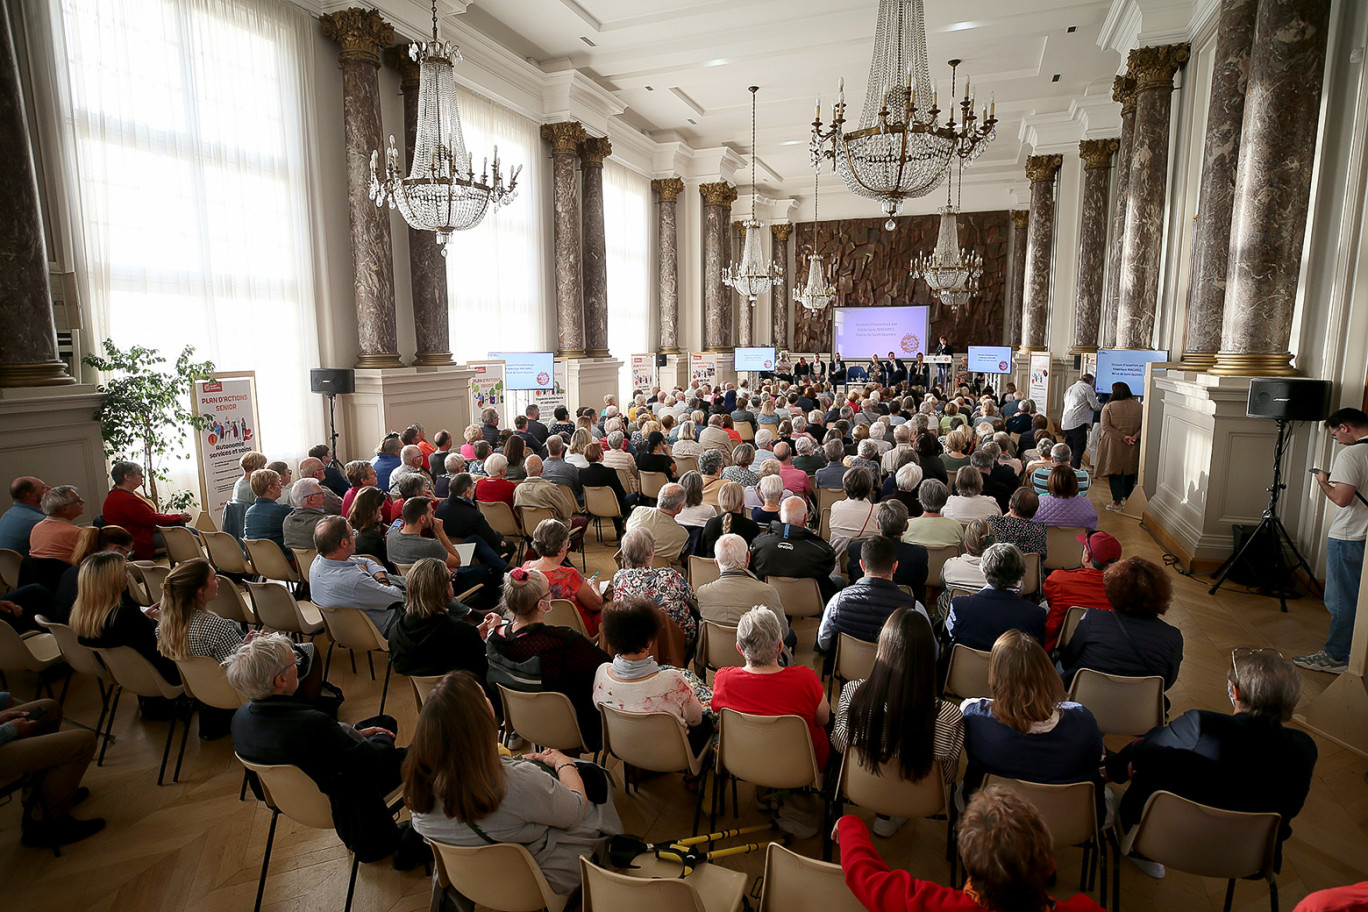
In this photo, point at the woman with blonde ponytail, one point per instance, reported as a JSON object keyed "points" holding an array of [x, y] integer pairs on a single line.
{"points": [[731, 500]]}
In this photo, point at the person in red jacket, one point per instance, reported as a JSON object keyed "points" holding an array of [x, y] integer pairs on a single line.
{"points": [[496, 487], [123, 506], [1008, 857], [1082, 586]]}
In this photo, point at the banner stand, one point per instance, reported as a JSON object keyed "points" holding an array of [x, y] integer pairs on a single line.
{"points": [[229, 400]]}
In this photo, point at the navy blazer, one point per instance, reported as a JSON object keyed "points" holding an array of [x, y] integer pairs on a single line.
{"points": [[978, 620]]}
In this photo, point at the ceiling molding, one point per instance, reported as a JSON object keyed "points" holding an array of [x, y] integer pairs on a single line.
{"points": [[568, 94], [1048, 134], [719, 163]]}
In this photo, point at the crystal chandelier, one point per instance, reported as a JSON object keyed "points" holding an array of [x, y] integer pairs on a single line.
{"points": [[441, 192], [900, 149], [752, 277], [950, 272], [817, 293]]}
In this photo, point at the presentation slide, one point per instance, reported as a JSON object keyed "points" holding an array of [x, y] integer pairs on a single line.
{"points": [[860, 332], [528, 370], [990, 359], [1126, 366], [755, 359]]}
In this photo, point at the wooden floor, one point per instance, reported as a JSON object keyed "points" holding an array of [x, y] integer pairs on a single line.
{"points": [[194, 846]]}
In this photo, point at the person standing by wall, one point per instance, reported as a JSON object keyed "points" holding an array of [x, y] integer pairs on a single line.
{"points": [[1080, 404]]}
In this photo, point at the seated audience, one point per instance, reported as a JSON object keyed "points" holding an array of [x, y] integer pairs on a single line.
{"points": [[661, 523], [496, 487], [422, 536], [655, 456], [789, 548], [1130, 639], [852, 519], [617, 456], [538, 491], [663, 586], [598, 475], [367, 518], [428, 638], [861, 608], [249, 463], [313, 467], [1019, 527], [124, 507], [1064, 505], [902, 485], [558, 469], [462, 521], [695, 513], [361, 475], [55, 537], [731, 501], [736, 589], [32, 744], [297, 529], [969, 503], [387, 459], [931, 529], [341, 578], [999, 481], [978, 620], [515, 452], [412, 462], [18, 521], [890, 517], [1082, 586], [965, 571], [266, 517], [1059, 454], [832, 476], [772, 494], [91, 541], [551, 540], [710, 468]]}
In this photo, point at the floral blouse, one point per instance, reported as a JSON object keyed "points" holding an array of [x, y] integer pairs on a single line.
{"points": [[665, 587]]}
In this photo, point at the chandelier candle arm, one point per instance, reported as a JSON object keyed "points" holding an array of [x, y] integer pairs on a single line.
{"points": [[752, 277]]}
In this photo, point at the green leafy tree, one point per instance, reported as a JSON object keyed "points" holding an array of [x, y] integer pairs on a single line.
{"points": [[146, 409]]}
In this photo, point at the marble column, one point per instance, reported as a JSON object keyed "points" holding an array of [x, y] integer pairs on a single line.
{"points": [[427, 266], [1216, 198], [1097, 157], [1273, 186], [1020, 219], [1123, 92], [1035, 302], [565, 138], [781, 298], [667, 261], [745, 310], [28, 343], [1153, 69], [733, 243], [717, 316], [361, 34], [592, 153]]}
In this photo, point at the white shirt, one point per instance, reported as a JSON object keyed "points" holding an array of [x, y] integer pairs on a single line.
{"points": [[1080, 401], [967, 509], [1351, 467]]}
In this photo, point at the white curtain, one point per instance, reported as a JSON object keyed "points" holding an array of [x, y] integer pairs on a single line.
{"points": [[627, 232], [190, 149], [494, 271]]}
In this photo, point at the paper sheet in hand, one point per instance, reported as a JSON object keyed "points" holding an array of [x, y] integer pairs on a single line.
{"points": [[466, 552]]}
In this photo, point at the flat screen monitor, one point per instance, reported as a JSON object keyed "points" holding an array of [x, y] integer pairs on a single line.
{"points": [[1126, 366], [990, 359], [528, 370], [760, 358], [861, 332]]}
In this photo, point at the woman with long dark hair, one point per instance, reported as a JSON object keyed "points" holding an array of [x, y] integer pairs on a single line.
{"points": [[367, 518]]}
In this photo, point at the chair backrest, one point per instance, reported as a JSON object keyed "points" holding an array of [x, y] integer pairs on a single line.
{"points": [[531, 517], [503, 877], [746, 430], [205, 680], [269, 561], [1071, 619], [794, 881], [1070, 811], [702, 570], [352, 628], [1030, 581], [600, 501], [229, 603], [1205, 840], [563, 613], [854, 658], [608, 891], [629, 484], [9, 568], [152, 576], [652, 482], [686, 464], [1062, 550], [134, 673], [304, 558], [17, 653], [1121, 705], [887, 792], [828, 496], [772, 751], [968, 672], [717, 646], [402, 569], [234, 518], [801, 597], [290, 790], [546, 718], [423, 686], [501, 517], [936, 558], [275, 607], [824, 528], [653, 741], [225, 553], [81, 658], [181, 544]]}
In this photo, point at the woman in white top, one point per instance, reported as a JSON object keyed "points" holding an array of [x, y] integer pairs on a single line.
{"points": [[578, 441], [853, 518], [695, 512], [688, 442], [969, 503], [966, 570]]}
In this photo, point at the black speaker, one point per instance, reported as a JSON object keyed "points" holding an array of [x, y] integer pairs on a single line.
{"points": [[332, 381], [660, 360], [1288, 399]]}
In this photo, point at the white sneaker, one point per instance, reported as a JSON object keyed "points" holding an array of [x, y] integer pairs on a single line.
{"points": [[1152, 868], [888, 826], [1116, 507], [1321, 661]]}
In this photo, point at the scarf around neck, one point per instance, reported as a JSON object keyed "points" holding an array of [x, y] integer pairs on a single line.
{"points": [[625, 669]]}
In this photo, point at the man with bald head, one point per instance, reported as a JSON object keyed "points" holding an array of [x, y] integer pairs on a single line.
{"points": [[795, 479], [789, 548], [669, 536], [18, 521], [542, 493], [312, 467]]}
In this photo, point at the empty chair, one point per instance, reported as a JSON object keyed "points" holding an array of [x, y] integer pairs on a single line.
{"points": [[132, 672], [652, 482], [229, 603], [1070, 813], [1121, 705], [793, 881], [352, 629], [205, 680], [967, 675], [269, 561], [35, 652], [226, 554], [503, 520], [601, 503], [181, 544], [546, 719], [702, 570], [276, 608], [1062, 551], [563, 613], [770, 751], [531, 517], [887, 792], [708, 888], [655, 741], [83, 660], [502, 876]]}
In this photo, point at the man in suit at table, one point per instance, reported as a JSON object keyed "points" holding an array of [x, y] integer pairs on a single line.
{"points": [[836, 373]]}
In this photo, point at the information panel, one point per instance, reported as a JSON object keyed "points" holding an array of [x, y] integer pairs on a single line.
{"points": [[1126, 366], [859, 332], [527, 370], [229, 402], [990, 359], [755, 359]]}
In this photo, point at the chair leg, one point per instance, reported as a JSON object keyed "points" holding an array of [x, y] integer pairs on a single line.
{"points": [[1230, 894], [384, 691], [1102, 864], [351, 885], [370, 660], [1273, 893], [109, 731], [166, 751], [352, 653], [327, 663], [1116, 871], [698, 805], [242, 795], [105, 694], [185, 736], [265, 859]]}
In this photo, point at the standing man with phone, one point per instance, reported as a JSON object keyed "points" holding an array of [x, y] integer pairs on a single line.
{"points": [[1344, 486], [1080, 404]]}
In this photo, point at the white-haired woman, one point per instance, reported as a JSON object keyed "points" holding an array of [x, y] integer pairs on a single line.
{"points": [[688, 441], [661, 585]]}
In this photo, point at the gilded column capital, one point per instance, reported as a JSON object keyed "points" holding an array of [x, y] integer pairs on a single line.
{"points": [[361, 33], [1043, 167], [1021, 217], [740, 228], [397, 58], [565, 137], [593, 150], [1123, 92], [782, 231], [669, 188], [1097, 153], [719, 193], [1153, 67]]}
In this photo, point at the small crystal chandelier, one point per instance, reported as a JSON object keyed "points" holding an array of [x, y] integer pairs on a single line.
{"points": [[817, 293], [950, 272], [900, 149], [752, 277], [441, 193]]}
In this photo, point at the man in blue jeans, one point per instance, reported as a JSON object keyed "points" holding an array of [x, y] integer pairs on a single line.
{"points": [[1344, 485]]}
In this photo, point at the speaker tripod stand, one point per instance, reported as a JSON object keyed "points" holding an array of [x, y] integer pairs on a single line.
{"points": [[1271, 524]]}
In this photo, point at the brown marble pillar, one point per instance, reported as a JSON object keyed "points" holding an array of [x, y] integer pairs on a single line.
{"points": [[427, 266], [717, 314], [361, 34], [745, 311], [592, 153], [28, 336], [1153, 69], [565, 138], [781, 302], [667, 261], [1216, 198], [1020, 219], [1123, 92], [1092, 241], [1273, 186], [1035, 303]]}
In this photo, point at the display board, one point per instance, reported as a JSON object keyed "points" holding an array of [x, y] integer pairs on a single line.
{"points": [[990, 359], [487, 389], [229, 400], [1039, 387], [760, 358], [549, 400], [859, 332], [1125, 366], [643, 372], [527, 370], [702, 367]]}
